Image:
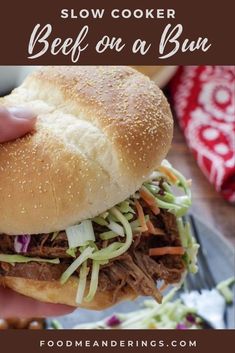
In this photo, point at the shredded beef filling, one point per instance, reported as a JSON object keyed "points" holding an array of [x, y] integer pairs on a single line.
{"points": [[135, 268]]}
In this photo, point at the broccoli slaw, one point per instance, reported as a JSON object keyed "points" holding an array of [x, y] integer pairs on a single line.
{"points": [[117, 220]]}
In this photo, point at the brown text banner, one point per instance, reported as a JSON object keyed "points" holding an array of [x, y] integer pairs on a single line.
{"points": [[117, 341], [116, 32]]}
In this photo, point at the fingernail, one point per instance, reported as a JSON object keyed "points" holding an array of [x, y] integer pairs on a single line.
{"points": [[22, 113]]}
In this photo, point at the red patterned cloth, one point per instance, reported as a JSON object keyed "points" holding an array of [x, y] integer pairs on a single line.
{"points": [[204, 102]]}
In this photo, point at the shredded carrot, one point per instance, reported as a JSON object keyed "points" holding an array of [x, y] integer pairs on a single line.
{"points": [[150, 200], [168, 173], [155, 209], [167, 250], [150, 226], [141, 216], [159, 231], [163, 287], [153, 230], [147, 197]]}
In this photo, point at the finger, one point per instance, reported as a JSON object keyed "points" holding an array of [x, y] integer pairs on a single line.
{"points": [[15, 123], [17, 305], [19, 127], [22, 113]]}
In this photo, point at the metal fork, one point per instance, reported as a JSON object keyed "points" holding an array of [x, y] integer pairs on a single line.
{"points": [[204, 278]]}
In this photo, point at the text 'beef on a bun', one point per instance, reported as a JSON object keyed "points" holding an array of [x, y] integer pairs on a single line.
{"points": [[87, 213]]}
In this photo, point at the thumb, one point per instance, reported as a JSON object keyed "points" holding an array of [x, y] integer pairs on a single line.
{"points": [[15, 122]]}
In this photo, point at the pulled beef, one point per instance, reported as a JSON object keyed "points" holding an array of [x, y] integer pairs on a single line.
{"points": [[135, 268], [33, 270], [41, 245], [128, 271]]}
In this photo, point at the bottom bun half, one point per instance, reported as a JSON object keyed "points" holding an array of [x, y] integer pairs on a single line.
{"points": [[56, 293]]}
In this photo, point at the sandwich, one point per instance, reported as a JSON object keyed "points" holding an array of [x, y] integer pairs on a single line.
{"points": [[90, 209]]}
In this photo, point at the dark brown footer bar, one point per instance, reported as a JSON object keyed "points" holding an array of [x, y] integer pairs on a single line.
{"points": [[117, 341]]}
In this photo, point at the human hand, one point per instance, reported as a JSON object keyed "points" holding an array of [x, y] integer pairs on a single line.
{"points": [[15, 122], [16, 305]]}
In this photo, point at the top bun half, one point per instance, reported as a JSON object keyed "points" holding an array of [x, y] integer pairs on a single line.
{"points": [[100, 132]]}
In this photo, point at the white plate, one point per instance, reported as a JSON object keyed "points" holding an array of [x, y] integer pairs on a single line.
{"points": [[12, 76]]}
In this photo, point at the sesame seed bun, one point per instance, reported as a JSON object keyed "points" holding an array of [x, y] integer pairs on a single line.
{"points": [[100, 132]]}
